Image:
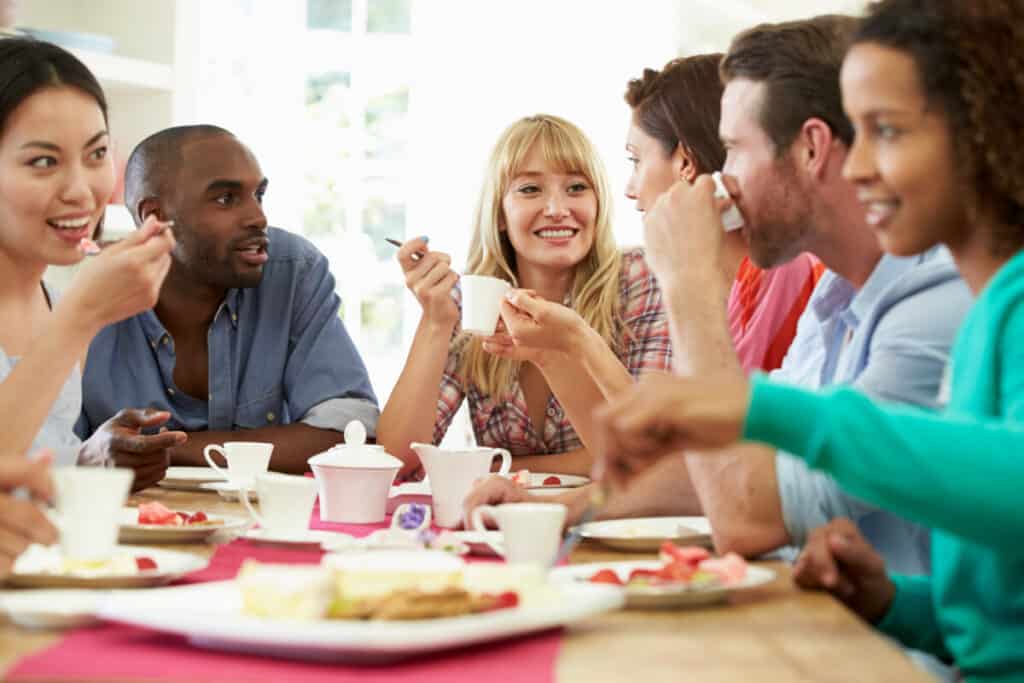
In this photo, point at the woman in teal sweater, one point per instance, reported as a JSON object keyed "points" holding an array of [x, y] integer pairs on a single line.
{"points": [[935, 90]]}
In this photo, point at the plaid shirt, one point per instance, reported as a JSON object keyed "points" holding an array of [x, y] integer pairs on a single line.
{"points": [[504, 422]]}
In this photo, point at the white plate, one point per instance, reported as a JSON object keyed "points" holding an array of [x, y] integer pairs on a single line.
{"points": [[648, 597], [476, 543], [188, 478], [210, 616], [227, 490], [648, 533], [52, 609], [565, 481], [133, 532], [31, 572]]}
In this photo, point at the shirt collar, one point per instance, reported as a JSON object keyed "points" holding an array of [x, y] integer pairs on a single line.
{"points": [[155, 330], [888, 270], [232, 302]]}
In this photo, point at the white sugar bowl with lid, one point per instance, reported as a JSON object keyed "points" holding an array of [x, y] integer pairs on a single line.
{"points": [[355, 479]]}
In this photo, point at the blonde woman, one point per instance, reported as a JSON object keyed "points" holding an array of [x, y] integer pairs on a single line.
{"points": [[543, 223]]}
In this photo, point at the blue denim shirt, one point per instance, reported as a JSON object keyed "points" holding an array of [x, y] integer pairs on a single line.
{"points": [[891, 339], [278, 353]]}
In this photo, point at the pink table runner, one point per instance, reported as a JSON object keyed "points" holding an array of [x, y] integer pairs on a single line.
{"points": [[116, 652]]}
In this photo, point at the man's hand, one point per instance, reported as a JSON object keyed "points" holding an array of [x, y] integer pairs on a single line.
{"points": [[21, 520], [493, 489], [664, 414], [837, 559], [121, 439], [683, 231]]}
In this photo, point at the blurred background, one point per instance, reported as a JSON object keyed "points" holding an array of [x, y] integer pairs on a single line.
{"points": [[374, 118]]}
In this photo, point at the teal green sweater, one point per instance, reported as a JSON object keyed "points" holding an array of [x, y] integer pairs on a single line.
{"points": [[961, 472]]}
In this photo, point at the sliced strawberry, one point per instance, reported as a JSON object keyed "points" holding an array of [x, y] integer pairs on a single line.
{"points": [[156, 513], [552, 481], [145, 563], [506, 600], [691, 554], [196, 517], [676, 572], [642, 574], [606, 576]]}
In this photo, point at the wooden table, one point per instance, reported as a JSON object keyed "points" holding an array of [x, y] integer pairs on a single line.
{"points": [[773, 633]]}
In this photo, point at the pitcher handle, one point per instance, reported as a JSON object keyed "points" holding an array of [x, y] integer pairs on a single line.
{"points": [[506, 460]]}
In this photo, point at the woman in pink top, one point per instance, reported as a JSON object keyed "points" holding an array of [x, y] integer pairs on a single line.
{"points": [[673, 136]]}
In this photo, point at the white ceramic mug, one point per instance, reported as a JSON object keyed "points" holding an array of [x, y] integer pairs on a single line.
{"points": [[286, 502], [531, 532], [481, 302], [89, 502], [452, 474], [245, 460]]}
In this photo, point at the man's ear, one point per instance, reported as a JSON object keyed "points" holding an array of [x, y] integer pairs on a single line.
{"points": [[685, 164], [150, 206], [815, 146]]}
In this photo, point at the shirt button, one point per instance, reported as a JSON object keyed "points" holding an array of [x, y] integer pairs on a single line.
{"points": [[234, 317], [165, 341], [551, 412], [170, 391], [271, 417]]}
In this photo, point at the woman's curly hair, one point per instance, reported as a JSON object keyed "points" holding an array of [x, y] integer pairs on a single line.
{"points": [[970, 60]]}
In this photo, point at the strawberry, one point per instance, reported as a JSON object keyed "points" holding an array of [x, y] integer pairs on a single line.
{"points": [[691, 555], [155, 513], [552, 481], [145, 563], [506, 600], [606, 576], [196, 517]]}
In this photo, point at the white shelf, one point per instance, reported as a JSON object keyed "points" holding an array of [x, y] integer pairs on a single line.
{"points": [[124, 73]]}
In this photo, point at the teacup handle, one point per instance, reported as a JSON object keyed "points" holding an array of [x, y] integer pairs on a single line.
{"points": [[216, 449], [506, 460], [478, 524], [243, 493]]}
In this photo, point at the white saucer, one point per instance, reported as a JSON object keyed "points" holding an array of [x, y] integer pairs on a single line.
{"points": [[228, 490], [476, 543], [308, 537], [188, 478]]}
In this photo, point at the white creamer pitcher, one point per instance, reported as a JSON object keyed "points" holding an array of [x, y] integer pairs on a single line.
{"points": [[452, 473]]}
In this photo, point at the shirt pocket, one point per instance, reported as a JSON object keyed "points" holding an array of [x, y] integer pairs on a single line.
{"points": [[266, 411]]}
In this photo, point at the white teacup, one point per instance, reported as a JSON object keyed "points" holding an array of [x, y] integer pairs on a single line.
{"points": [[481, 302], [532, 532], [286, 502], [452, 474], [89, 502], [245, 460]]}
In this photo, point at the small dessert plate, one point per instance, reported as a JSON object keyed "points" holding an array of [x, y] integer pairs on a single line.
{"points": [[133, 532], [644, 534], [52, 609], [44, 567]]}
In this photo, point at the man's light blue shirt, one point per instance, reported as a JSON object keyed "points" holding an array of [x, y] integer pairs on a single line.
{"points": [[891, 339], [278, 354]]}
